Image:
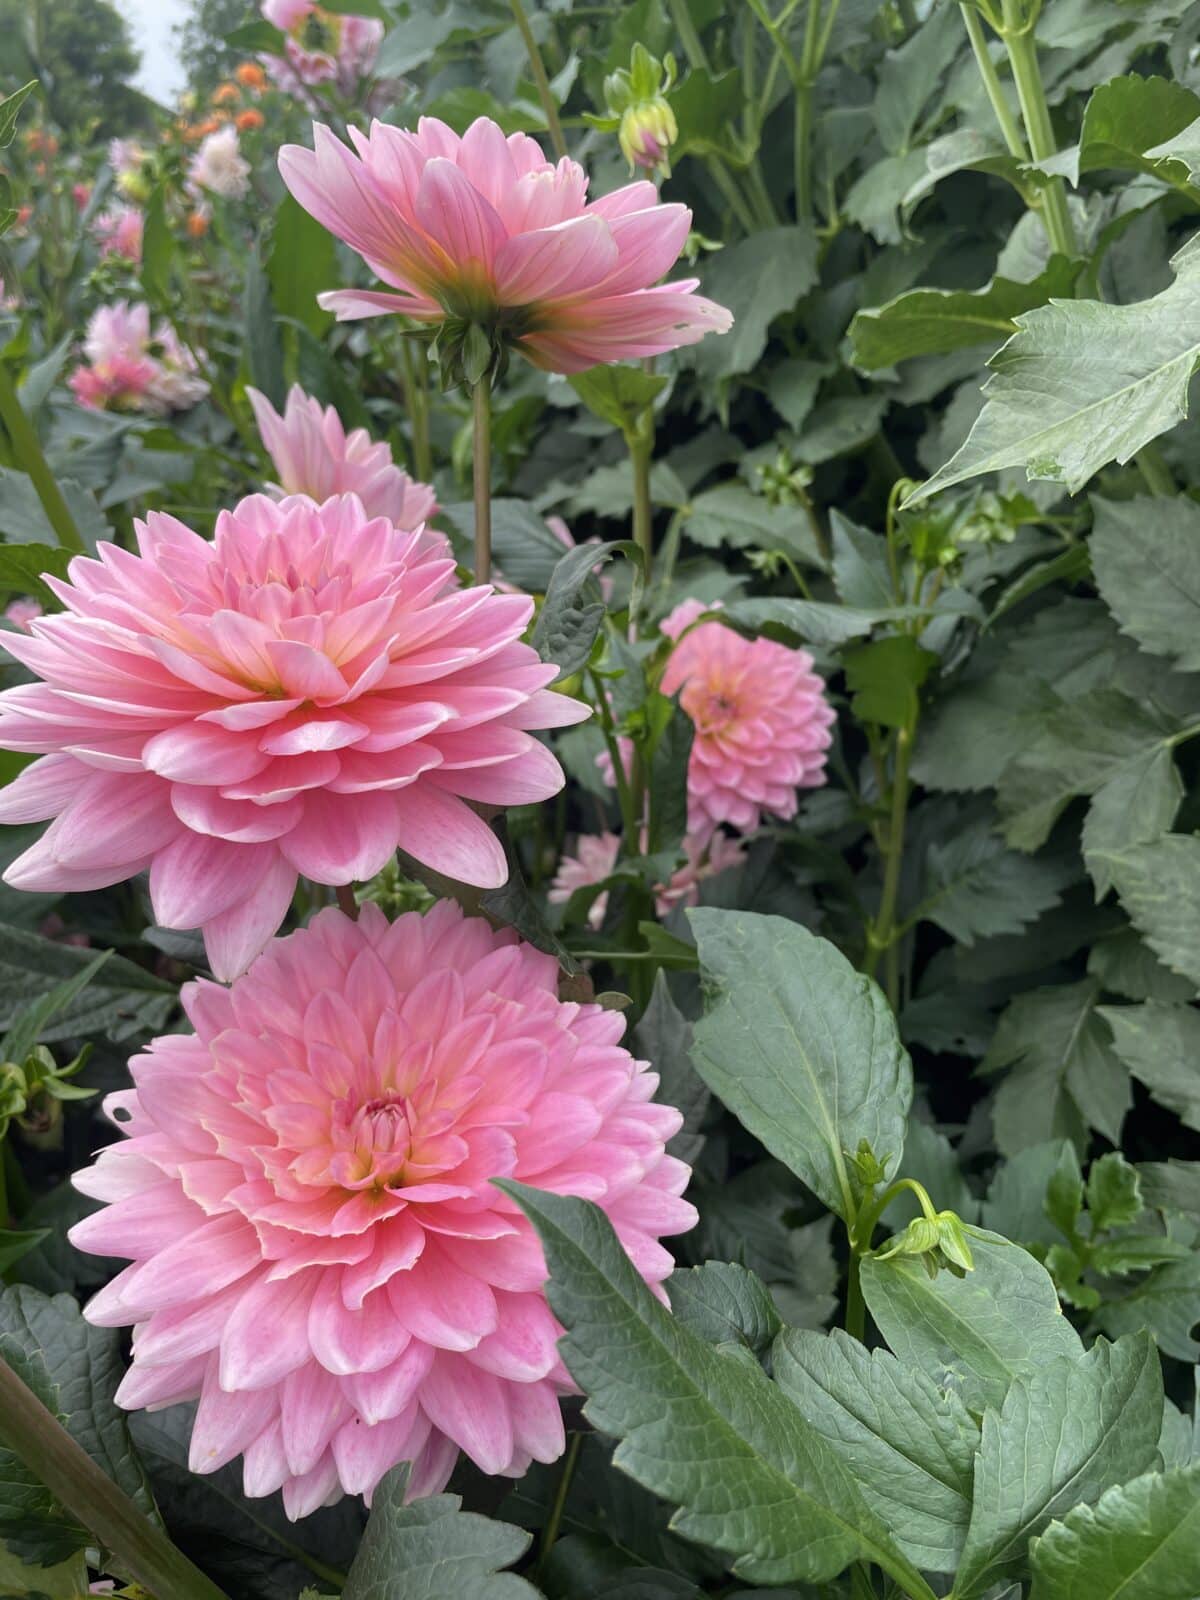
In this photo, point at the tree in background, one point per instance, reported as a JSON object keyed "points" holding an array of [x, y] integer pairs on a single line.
{"points": [[82, 52], [201, 41]]}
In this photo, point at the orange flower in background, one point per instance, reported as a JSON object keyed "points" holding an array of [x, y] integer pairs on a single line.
{"points": [[226, 94], [249, 119], [197, 224], [201, 130], [251, 76]]}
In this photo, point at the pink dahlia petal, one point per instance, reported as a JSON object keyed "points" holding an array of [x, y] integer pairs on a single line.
{"points": [[305, 693], [381, 1075]]}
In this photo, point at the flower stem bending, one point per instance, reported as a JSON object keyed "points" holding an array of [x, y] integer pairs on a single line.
{"points": [[481, 398], [538, 67], [28, 451], [91, 1496]]}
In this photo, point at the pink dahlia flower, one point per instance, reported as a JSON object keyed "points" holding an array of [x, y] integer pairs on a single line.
{"points": [[218, 167], [21, 612], [301, 695], [314, 455], [119, 233], [595, 859], [319, 1254], [127, 370], [762, 726], [322, 46], [483, 229]]}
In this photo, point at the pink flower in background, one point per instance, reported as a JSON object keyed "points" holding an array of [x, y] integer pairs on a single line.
{"points": [[314, 455], [762, 726], [319, 1255], [595, 859], [81, 193], [302, 694], [218, 167], [485, 230], [322, 46], [122, 373], [678, 621], [22, 612], [119, 233], [127, 158]]}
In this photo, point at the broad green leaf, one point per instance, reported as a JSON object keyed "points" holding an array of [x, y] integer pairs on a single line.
{"points": [[1122, 123], [1019, 1204], [1114, 1194], [664, 1036], [1061, 1438], [414, 41], [27, 1027], [434, 1550], [909, 1443], [782, 1504], [1159, 885], [1081, 384], [262, 353], [23, 566], [1146, 560], [67, 1581], [257, 35], [704, 106], [975, 888], [301, 262], [1140, 1541], [1002, 1321], [884, 677], [911, 75], [23, 519], [33, 1526], [801, 1048], [618, 395], [123, 1001], [926, 322], [731, 516], [1125, 965], [724, 1303], [525, 549], [1160, 1045], [569, 621], [16, 1244], [1167, 1301], [860, 569], [10, 108], [158, 251], [1136, 804], [840, 425], [670, 758], [1171, 1185], [758, 279]]}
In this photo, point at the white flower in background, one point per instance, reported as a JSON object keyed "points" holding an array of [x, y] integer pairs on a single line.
{"points": [[219, 167]]}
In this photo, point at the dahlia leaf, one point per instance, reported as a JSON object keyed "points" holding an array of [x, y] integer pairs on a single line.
{"points": [[975, 888], [158, 250], [122, 1002], [301, 262], [1160, 1044], [1000, 1322], [1140, 1541], [780, 1501], [664, 1036], [1159, 886], [910, 1440], [23, 566], [1167, 1301], [725, 1303], [571, 616], [1081, 384], [264, 358], [758, 278], [801, 1048], [618, 395], [1146, 559], [434, 1550], [1124, 123]]}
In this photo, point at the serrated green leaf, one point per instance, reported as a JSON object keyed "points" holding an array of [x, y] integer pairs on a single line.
{"points": [[1160, 1044], [909, 1443], [800, 1047], [1167, 1301], [257, 35], [975, 888], [618, 395], [1034, 1193], [723, 1302], [729, 516], [885, 676], [1146, 560], [23, 566], [434, 1550], [758, 278], [568, 623], [782, 1505], [10, 108], [1159, 886], [925, 322], [1002, 1321], [664, 1036], [1082, 383], [1140, 1541], [125, 1001], [1136, 804], [1123, 121], [860, 568]]}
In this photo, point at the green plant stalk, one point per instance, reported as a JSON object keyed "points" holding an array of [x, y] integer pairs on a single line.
{"points": [[538, 67], [416, 401], [730, 193], [28, 451], [689, 38], [805, 86], [75, 1480], [641, 451], [561, 1491], [991, 82], [881, 936], [1155, 471], [1021, 44], [481, 473]]}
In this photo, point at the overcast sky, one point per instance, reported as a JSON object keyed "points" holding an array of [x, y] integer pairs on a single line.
{"points": [[152, 23]]}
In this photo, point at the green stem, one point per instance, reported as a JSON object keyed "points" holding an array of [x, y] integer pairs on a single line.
{"points": [[856, 1310], [1155, 471], [730, 193], [28, 452], [75, 1480], [641, 449], [869, 1217], [625, 799], [481, 417], [1021, 43], [538, 67], [562, 1490], [416, 400], [805, 87], [880, 936], [689, 38], [991, 82]]}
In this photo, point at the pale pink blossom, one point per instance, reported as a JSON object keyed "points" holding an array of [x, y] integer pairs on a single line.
{"points": [[319, 1255], [322, 46], [218, 167], [314, 455], [119, 233], [129, 369], [679, 620], [301, 694], [21, 612], [127, 158], [761, 726], [81, 193], [595, 860], [484, 230]]}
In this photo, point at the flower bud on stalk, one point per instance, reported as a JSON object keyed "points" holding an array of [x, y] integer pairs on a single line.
{"points": [[638, 112]]}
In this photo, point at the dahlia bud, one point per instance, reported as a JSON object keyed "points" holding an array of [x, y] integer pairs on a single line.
{"points": [[646, 134], [638, 111], [940, 1241]]}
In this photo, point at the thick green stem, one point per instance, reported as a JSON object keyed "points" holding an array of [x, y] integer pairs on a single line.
{"points": [[991, 82], [538, 67], [856, 1310], [688, 37], [881, 936], [730, 193], [28, 451], [77, 1483], [805, 87], [1021, 43], [481, 413]]}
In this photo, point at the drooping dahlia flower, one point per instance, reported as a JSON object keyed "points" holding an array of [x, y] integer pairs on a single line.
{"points": [[301, 695], [762, 726], [484, 230], [319, 1254], [596, 856], [314, 455], [322, 45], [119, 233], [218, 167], [127, 370]]}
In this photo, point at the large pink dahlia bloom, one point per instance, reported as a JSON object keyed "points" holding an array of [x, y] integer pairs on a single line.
{"points": [[314, 455], [319, 1254], [762, 726], [485, 230], [322, 45], [301, 695]]}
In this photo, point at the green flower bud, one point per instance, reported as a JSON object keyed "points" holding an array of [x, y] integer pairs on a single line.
{"points": [[647, 132]]}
